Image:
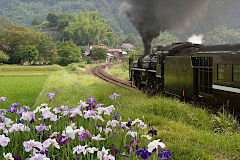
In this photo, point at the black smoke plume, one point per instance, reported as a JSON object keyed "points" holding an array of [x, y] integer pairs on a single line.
{"points": [[150, 17]]}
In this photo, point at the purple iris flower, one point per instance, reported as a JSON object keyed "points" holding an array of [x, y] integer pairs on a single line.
{"points": [[129, 124], [115, 95], [152, 131], [164, 154], [130, 148], [132, 141], [12, 110], [22, 109], [15, 105], [17, 157], [116, 115], [83, 135], [4, 99], [44, 151], [63, 140], [51, 95], [2, 116], [19, 121], [71, 118], [91, 100], [143, 153], [116, 151], [137, 146]]}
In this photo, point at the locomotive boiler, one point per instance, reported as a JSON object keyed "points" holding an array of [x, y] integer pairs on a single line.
{"points": [[190, 71]]}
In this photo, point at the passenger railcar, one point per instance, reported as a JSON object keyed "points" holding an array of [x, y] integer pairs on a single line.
{"points": [[190, 71]]}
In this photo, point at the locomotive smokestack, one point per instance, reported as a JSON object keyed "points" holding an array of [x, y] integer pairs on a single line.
{"points": [[150, 17]]}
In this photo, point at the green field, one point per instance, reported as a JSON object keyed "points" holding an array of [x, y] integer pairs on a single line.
{"points": [[22, 84], [22, 90], [25, 73], [6, 68], [188, 131]]}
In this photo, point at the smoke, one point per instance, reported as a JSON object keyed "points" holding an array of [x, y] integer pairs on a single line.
{"points": [[196, 39], [150, 17]]}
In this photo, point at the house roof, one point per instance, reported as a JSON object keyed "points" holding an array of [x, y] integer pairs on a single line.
{"points": [[104, 46], [114, 50], [127, 45]]}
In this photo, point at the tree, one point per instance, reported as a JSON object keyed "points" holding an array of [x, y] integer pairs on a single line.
{"points": [[100, 53], [52, 18], [13, 37], [3, 57], [46, 49], [68, 53], [35, 22], [89, 28], [164, 39], [222, 35], [28, 54], [131, 38]]}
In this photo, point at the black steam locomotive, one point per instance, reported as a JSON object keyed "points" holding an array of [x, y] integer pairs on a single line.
{"points": [[190, 71]]}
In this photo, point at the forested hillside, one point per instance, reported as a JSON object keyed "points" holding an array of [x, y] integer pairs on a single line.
{"points": [[23, 12], [219, 16]]}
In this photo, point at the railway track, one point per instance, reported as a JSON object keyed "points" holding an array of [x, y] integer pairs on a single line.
{"points": [[101, 72]]}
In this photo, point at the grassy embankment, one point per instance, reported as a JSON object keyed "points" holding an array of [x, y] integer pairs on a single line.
{"points": [[188, 131], [22, 84], [119, 71]]}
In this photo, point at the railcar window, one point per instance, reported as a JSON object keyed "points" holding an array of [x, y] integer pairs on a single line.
{"points": [[220, 69], [236, 72]]}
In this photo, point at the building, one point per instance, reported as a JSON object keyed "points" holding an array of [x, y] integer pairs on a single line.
{"points": [[129, 47]]}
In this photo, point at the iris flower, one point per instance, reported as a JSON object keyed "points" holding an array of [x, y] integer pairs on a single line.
{"points": [[4, 99], [164, 154], [15, 105], [49, 142], [80, 149], [51, 95], [92, 150], [143, 153], [115, 95], [154, 145], [153, 132], [4, 140], [8, 156], [116, 151]]}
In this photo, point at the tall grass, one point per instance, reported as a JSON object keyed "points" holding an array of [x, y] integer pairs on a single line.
{"points": [[118, 71], [188, 131]]}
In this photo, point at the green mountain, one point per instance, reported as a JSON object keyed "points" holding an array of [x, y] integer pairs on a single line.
{"points": [[23, 12]]}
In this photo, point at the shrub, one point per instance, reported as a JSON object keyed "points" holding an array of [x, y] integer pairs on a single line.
{"points": [[89, 61], [3, 57], [68, 53], [75, 66]]}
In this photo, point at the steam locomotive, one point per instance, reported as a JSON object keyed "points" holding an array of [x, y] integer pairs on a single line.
{"points": [[190, 71]]}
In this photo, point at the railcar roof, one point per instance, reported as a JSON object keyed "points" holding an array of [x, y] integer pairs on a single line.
{"points": [[177, 45], [221, 48]]}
